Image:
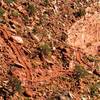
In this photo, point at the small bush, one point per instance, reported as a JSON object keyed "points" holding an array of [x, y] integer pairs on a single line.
{"points": [[80, 72], [45, 49], [15, 13], [2, 11], [10, 1], [31, 9], [46, 2]]}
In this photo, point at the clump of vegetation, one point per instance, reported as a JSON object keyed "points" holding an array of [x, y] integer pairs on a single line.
{"points": [[10, 1], [31, 9], [45, 49], [94, 89], [27, 98], [80, 72], [46, 2], [2, 11], [15, 13]]}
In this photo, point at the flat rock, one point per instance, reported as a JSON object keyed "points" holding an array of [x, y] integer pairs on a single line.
{"points": [[85, 33]]}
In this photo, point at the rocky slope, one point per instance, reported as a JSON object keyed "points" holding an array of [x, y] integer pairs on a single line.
{"points": [[49, 50]]}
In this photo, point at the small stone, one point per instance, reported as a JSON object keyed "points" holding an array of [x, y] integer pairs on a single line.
{"points": [[18, 39]]}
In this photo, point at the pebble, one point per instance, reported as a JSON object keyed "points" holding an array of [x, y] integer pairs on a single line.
{"points": [[18, 39]]}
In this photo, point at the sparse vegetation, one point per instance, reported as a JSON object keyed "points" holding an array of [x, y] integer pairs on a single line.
{"points": [[80, 72], [10, 1], [15, 13], [46, 2], [27, 98], [2, 11], [45, 49], [31, 9]]}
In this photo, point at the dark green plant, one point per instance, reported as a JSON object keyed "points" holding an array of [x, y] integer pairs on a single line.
{"points": [[15, 13], [80, 72], [2, 11], [10, 1], [46, 2], [45, 49], [27, 98], [31, 9]]}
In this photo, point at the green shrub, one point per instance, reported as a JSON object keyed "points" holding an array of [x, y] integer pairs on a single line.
{"points": [[80, 72], [15, 13], [46, 2], [45, 49], [10, 1], [31, 9], [2, 11]]}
